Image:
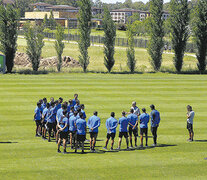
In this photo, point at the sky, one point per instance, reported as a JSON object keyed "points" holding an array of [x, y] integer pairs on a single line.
{"points": [[114, 1]]}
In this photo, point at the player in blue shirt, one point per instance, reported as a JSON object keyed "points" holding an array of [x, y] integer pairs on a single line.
{"points": [[155, 121], [81, 132], [144, 120], [59, 116], [51, 120], [70, 104], [58, 106], [38, 117], [82, 106], [44, 120], [63, 129], [94, 123], [77, 105], [123, 122], [44, 104], [51, 100], [75, 99], [133, 123], [111, 125], [72, 129]]}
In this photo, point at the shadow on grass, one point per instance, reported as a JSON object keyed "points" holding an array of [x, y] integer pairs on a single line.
{"points": [[8, 142], [200, 140], [184, 72], [166, 145], [31, 72]]}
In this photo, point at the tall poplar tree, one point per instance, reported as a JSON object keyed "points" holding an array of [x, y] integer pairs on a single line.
{"points": [[84, 21], [8, 34], [179, 21], [200, 33], [156, 42], [109, 40]]}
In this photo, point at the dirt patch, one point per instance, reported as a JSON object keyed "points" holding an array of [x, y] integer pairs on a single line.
{"points": [[21, 59]]}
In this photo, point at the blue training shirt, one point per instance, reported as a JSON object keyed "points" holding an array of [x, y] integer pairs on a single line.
{"points": [[84, 114], [72, 122], [112, 124], [59, 114], [43, 105], [81, 126], [123, 121], [133, 118], [51, 115], [144, 120], [63, 122], [38, 114], [155, 118], [94, 122], [45, 114], [73, 102], [69, 107]]}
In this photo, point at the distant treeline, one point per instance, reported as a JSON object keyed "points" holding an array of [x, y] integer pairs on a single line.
{"points": [[24, 5]]}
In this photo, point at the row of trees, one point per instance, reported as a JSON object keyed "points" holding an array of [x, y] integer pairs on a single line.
{"points": [[179, 30]]}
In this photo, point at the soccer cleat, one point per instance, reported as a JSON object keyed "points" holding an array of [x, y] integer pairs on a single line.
{"points": [[146, 145], [36, 135], [141, 146], [118, 148], [154, 145], [58, 151], [105, 148], [127, 148], [65, 152], [82, 152], [112, 149], [135, 146]]}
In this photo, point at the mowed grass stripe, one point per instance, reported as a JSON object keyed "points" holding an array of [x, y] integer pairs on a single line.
{"points": [[32, 158]]}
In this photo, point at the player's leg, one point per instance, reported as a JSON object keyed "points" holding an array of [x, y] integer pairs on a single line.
{"points": [[94, 141], [91, 140], [107, 140], [59, 142], [146, 136], [141, 136], [64, 144], [127, 141], [112, 140], [49, 131], [135, 132], [119, 146], [71, 140], [130, 136]]}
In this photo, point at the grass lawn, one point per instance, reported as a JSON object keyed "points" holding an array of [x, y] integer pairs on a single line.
{"points": [[28, 157], [97, 58]]}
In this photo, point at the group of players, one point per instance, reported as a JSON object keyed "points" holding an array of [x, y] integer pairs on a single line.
{"points": [[66, 121]]}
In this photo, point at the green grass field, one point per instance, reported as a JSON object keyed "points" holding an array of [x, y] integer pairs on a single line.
{"points": [[28, 157]]}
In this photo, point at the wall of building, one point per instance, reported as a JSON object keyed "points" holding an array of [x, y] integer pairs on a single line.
{"points": [[40, 15]]}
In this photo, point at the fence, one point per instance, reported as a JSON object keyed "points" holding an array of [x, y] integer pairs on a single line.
{"points": [[140, 43]]}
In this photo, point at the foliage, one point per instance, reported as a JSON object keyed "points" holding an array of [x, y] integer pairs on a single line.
{"points": [[200, 33], [156, 34], [8, 34], [52, 22], [84, 21], [131, 61], [59, 45], [109, 40], [34, 38], [179, 21]]}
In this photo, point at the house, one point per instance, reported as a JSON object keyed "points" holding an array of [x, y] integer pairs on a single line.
{"points": [[121, 15], [40, 6]]}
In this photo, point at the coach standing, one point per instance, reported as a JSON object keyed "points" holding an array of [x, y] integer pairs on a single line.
{"points": [[190, 117], [155, 121]]}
